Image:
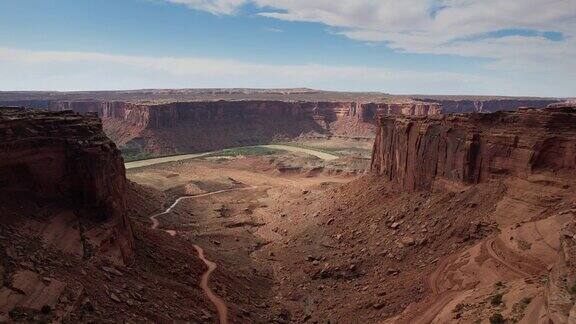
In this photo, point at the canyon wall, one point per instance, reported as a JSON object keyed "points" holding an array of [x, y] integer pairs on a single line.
{"points": [[450, 106], [196, 126], [65, 159], [144, 129], [416, 152]]}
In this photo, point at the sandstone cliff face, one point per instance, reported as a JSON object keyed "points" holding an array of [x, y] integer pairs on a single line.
{"points": [[208, 125], [166, 115], [147, 129], [63, 158], [491, 105], [416, 152]]}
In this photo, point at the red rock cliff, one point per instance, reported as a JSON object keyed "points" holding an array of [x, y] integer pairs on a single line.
{"points": [[65, 158], [489, 105], [415, 152], [208, 125]]}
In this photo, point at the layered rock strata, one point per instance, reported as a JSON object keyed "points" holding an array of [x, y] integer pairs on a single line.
{"points": [[63, 158], [169, 128], [417, 152], [450, 106], [144, 129]]}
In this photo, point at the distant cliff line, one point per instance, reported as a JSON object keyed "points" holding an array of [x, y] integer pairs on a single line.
{"points": [[174, 127]]}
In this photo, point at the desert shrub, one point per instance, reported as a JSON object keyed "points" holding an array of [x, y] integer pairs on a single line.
{"points": [[496, 318], [459, 308], [496, 299], [573, 288], [526, 300], [46, 309]]}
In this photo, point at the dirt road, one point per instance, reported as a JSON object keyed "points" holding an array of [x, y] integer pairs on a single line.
{"points": [[144, 163], [322, 155]]}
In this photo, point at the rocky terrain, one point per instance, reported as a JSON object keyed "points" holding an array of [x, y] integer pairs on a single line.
{"points": [[465, 104], [75, 245], [292, 94], [465, 218], [460, 218]]}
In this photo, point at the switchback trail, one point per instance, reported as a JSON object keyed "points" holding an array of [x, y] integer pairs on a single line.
{"points": [[217, 301], [428, 310], [510, 266]]}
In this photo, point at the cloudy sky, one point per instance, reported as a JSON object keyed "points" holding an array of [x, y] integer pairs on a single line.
{"points": [[492, 47]]}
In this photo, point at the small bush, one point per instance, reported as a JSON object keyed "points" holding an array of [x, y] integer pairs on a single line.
{"points": [[573, 288], [46, 309], [496, 299], [499, 284], [526, 300], [497, 318], [459, 308]]}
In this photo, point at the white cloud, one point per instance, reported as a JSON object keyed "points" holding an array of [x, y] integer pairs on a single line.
{"points": [[454, 27], [217, 7], [57, 70]]}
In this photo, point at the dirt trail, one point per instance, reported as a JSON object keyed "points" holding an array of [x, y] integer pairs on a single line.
{"points": [[148, 162], [430, 309], [217, 301], [322, 155], [490, 248], [154, 218], [427, 311]]}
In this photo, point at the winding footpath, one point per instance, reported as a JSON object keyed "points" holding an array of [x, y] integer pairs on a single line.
{"points": [[217, 301]]}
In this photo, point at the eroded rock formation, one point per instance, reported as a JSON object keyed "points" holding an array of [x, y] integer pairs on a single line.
{"points": [[167, 128], [62, 165], [417, 152], [145, 123], [450, 106]]}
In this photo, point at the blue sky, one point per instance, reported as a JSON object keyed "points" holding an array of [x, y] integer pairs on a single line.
{"points": [[426, 46]]}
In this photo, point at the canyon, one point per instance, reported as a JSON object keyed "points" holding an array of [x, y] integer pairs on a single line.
{"points": [[150, 123], [158, 129], [70, 248], [419, 215]]}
